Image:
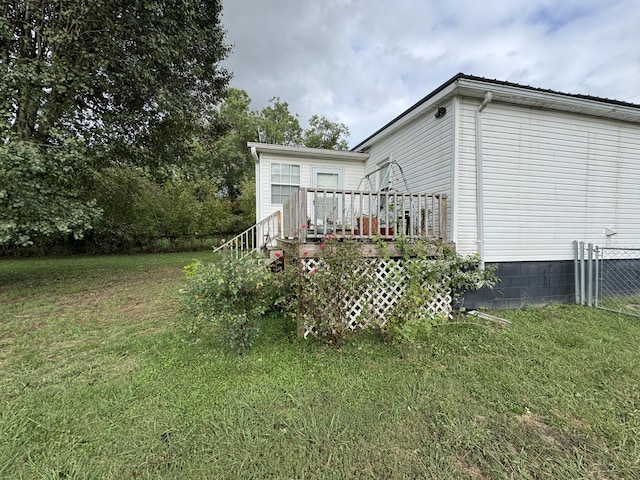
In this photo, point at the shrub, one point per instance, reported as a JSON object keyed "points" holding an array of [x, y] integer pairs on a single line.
{"points": [[322, 294], [446, 272], [233, 295], [319, 295], [230, 296]]}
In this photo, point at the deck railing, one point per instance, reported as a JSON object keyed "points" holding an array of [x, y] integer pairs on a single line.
{"points": [[256, 237], [310, 213]]}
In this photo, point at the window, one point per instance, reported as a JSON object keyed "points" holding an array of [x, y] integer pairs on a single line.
{"points": [[285, 179], [327, 180]]}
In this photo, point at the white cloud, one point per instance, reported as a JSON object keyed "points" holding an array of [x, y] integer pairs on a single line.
{"points": [[363, 62]]}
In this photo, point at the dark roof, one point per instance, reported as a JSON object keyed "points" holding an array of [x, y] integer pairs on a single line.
{"points": [[496, 82]]}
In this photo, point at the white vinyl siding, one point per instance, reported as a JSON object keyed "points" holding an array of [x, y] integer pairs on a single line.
{"points": [[353, 173], [549, 178], [424, 150]]}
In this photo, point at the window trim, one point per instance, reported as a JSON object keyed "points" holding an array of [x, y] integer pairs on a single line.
{"points": [[283, 184]]}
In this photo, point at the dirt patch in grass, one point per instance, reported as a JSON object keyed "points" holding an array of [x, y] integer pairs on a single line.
{"points": [[408, 456], [544, 431], [565, 443], [472, 471]]}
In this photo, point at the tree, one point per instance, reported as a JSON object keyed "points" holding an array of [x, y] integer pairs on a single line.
{"points": [[324, 133], [278, 125], [219, 152], [232, 160], [273, 124], [113, 81], [39, 195], [109, 69]]}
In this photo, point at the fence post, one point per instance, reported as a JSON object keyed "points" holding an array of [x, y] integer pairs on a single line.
{"points": [[582, 279], [590, 274], [301, 209], [596, 277], [576, 272], [279, 223]]}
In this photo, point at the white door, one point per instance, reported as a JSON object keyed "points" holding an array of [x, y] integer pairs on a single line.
{"points": [[327, 211]]}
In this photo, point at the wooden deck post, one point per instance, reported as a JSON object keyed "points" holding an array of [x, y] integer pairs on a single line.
{"points": [[443, 218], [302, 213]]}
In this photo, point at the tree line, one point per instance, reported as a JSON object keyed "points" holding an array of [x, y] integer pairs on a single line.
{"points": [[119, 131]]}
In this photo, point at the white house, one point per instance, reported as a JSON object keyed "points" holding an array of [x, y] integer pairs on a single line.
{"points": [[280, 170], [525, 172]]}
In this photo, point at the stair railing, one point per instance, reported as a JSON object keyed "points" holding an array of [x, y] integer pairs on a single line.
{"points": [[258, 237]]}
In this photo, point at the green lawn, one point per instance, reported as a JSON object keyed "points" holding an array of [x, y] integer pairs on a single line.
{"points": [[95, 382]]}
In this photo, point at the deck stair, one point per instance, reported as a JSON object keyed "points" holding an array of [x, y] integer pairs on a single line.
{"points": [[260, 237]]}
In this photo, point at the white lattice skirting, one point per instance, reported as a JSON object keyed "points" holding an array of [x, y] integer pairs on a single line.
{"points": [[387, 285]]}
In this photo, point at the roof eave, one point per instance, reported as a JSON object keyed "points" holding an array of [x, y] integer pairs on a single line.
{"points": [[548, 99], [305, 152], [476, 87], [440, 94]]}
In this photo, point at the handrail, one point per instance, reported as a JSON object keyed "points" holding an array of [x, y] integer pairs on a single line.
{"points": [[314, 212], [246, 242]]}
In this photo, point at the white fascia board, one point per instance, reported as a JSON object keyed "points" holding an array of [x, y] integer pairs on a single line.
{"points": [[304, 152], [404, 119], [547, 100], [477, 88]]}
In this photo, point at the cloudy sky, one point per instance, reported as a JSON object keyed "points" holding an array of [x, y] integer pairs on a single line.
{"points": [[362, 62]]}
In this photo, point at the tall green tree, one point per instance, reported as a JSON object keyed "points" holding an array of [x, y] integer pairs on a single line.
{"points": [[130, 81], [274, 124], [325, 133], [232, 161], [278, 125], [109, 69]]}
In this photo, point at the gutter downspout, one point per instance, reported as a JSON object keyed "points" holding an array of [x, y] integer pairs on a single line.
{"points": [[488, 96], [455, 171], [254, 154]]}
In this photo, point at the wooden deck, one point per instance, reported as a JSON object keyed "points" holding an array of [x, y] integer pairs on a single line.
{"points": [[311, 249], [311, 213]]}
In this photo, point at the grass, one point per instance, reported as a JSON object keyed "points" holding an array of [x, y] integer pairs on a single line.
{"points": [[95, 382]]}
